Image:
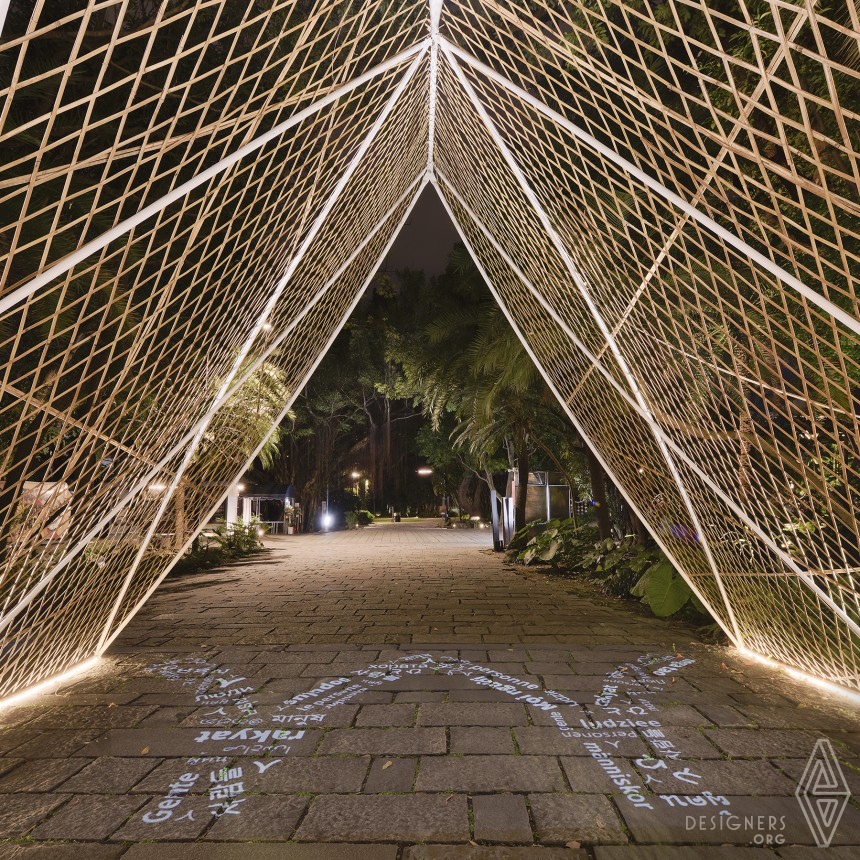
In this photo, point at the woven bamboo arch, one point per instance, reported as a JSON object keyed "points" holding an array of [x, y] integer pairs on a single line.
{"points": [[662, 197]]}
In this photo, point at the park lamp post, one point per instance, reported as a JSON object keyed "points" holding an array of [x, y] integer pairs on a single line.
{"points": [[425, 472]]}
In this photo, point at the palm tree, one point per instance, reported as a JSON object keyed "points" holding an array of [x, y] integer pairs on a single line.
{"points": [[472, 363]]}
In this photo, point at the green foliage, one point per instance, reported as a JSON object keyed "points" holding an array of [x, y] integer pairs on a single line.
{"points": [[485, 400], [239, 539], [663, 590], [354, 519], [559, 543], [225, 545], [622, 568], [248, 415]]}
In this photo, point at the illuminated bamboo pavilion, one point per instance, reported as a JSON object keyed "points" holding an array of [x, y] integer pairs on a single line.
{"points": [[663, 197]]}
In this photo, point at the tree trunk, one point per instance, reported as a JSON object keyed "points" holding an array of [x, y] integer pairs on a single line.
{"points": [[638, 528], [598, 493], [179, 514], [521, 443]]}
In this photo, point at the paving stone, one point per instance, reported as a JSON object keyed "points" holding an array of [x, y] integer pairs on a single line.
{"points": [[833, 852], [162, 774], [317, 775], [386, 715], [843, 740], [496, 852], [666, 715], [429, 682], [481, 741], [166, 716], [57, 743], [152, 822], [40, 774], [7, 764], [545, 667], [360, 598], [472, 715], [691, 743], [507, 655], [270, 671], [256, 851], [25, 715], [108, 776], [421, 696], [19, 812], [812, 719], [793, 768], [406, 818], [478, 694], [582, 818], [586, 776], [572, 714], [749, 819], [260, 817], [59, 851], [391, 774], [546, 740], [501, 818], [680, 852], [737, 776], [723, 715], [758, 743], [91, 817], [163, 743], [489, 773], [384, 742], [94, 716], [202, 718]]}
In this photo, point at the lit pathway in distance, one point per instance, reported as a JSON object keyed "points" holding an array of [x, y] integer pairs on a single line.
{"points": [[131, 759]]}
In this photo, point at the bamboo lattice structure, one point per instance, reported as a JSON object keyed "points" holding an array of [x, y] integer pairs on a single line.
{"points": [[663, 197]]}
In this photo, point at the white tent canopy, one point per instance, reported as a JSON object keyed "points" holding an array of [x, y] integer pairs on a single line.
{"points": [[668, 221]]}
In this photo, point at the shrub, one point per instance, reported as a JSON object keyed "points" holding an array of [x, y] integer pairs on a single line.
{"points": [[354, 519], [617, 564], [239, 539], [622, 568], [559, 543]]}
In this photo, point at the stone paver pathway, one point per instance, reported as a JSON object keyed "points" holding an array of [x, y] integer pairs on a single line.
{"points": [[399, 693]]}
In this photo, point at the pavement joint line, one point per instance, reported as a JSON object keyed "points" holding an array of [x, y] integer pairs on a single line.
{"points": [[365, 583]]}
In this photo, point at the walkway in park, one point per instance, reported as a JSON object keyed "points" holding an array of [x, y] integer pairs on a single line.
{"points": [[338, 690]]}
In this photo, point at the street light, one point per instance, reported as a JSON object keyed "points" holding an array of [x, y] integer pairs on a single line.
{"points": [[355, 475], [425, 470]]}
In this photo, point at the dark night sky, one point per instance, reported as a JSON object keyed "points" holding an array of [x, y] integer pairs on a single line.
{"points": [[426, 238]]}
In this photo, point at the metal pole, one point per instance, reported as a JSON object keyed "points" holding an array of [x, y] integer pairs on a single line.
{"points": [[551, 385], [262, 319], [68, 262], [676, 449], [585, 291], [730, 238], [277, 421]]}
